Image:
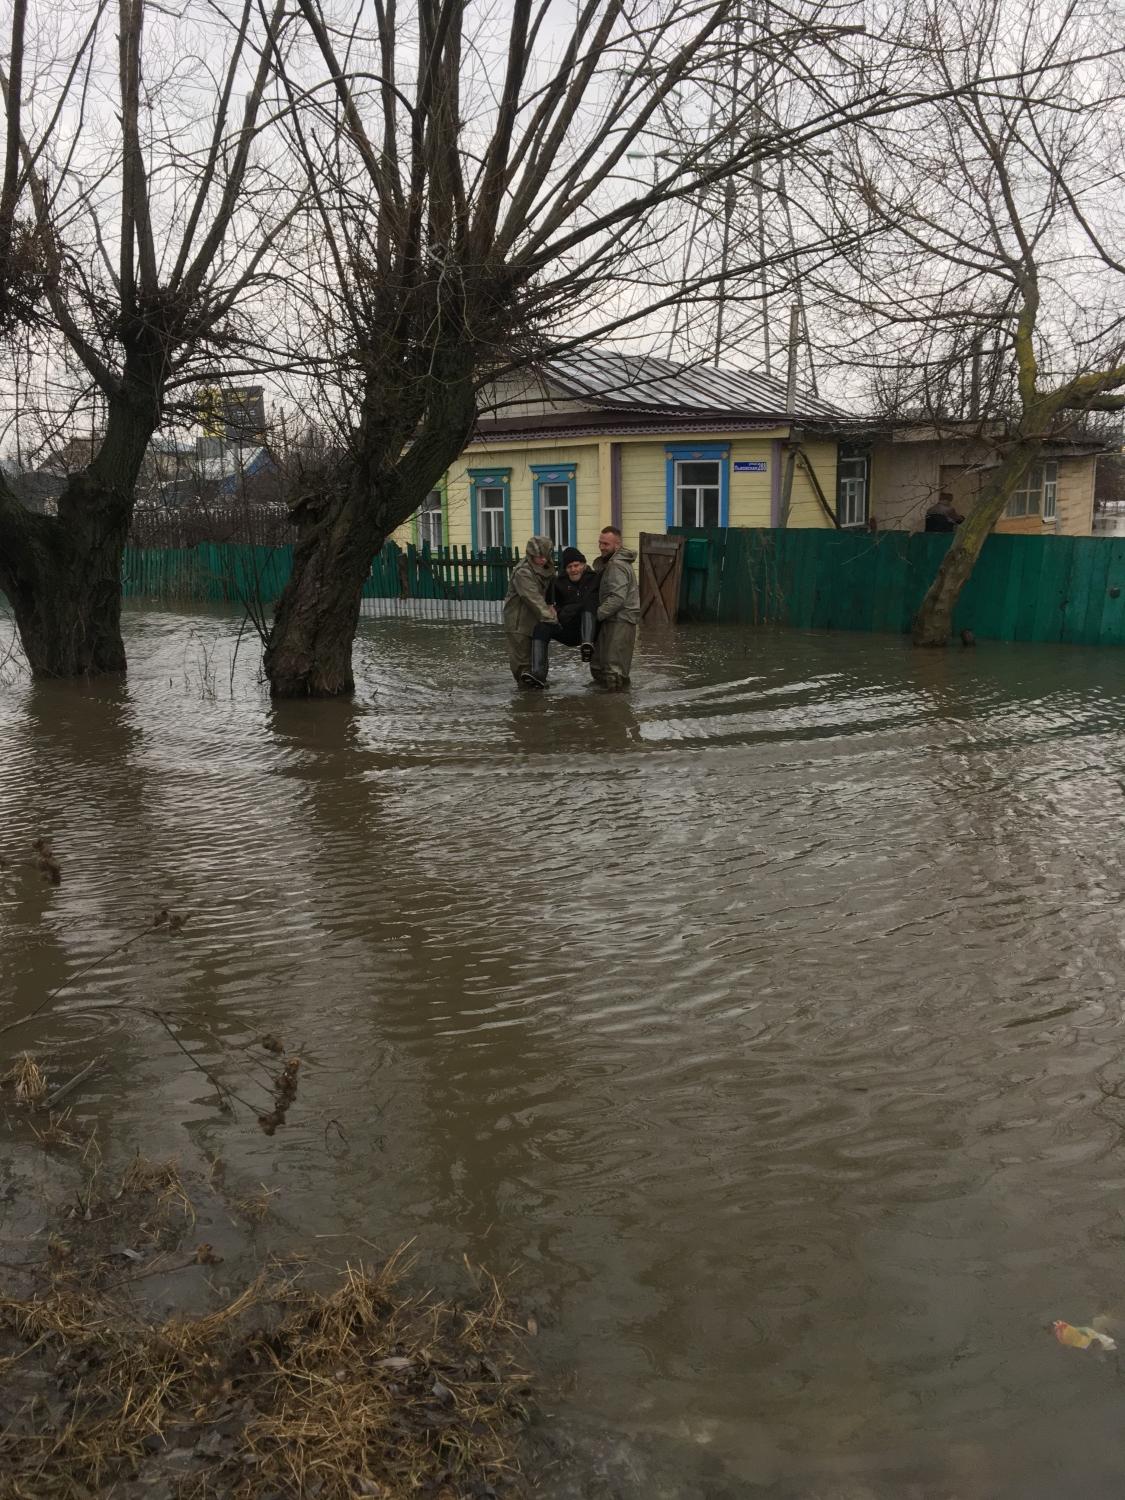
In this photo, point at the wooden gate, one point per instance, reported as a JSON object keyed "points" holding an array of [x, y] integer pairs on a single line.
{"points": [[662, 564]]}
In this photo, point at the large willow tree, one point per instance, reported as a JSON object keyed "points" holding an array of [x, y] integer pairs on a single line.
{"points": [[136, 178]]}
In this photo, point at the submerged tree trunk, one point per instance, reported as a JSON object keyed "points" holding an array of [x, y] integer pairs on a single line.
{"points": [[309, 653], [933, 624], [342, 528], [66, 599], [62, 574]]}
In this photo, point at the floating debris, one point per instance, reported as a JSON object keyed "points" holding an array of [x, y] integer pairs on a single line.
{"points": [[284, 1093], [47, 864], [1078, 1337]]}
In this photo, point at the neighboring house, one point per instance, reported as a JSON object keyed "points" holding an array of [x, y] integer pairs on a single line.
{"points": [[255, 477], [601, 438], [910, 465], [204, 470]]}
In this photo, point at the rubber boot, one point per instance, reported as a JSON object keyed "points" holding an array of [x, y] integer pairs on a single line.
{"points": [[536, 675], [587, 627]]}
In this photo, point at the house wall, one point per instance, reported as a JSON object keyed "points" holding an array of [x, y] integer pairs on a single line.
{"points": [[519, 459], [643, 483], [805, 509], [1075, 501]]}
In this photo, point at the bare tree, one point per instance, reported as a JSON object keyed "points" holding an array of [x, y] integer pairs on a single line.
{"points": [[986, 286], [155, 217], [26, 250], [476, 210]]}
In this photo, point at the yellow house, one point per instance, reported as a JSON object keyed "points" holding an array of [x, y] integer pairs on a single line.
{"points": [[602, 438]]}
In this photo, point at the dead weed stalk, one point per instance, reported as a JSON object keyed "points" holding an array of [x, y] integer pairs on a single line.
{"points": [[27, 1079]]}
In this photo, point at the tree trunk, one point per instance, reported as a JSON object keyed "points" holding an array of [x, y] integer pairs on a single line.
{"points": [[62, 574], [66, 599], [394, 465], [309, 654], [933, 624]]}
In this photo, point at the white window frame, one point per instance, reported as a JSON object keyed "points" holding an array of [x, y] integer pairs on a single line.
{"points": [[1050, 491], [489, 516], [851, 492], [553, 511], [681, 489], [1039, 488], [430, 521]]}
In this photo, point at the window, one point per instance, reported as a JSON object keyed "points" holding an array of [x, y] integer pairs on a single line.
{"points": [[490, 516], [851, 489], [1037, 495], [490, 508], [429, 521], [556, 513], [697, 493], [698, 485], [554, 504], [1050, 491]]}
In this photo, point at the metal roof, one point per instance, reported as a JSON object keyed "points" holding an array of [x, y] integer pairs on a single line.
{"points": [[644, 382], [528, 432]]}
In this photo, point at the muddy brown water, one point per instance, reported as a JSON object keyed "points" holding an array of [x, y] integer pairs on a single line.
{"points": [[767, 1017]]}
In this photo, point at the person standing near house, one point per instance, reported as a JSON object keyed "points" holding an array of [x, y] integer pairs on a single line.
{"points": [[526, 605], [619, 610], [942, 516]]}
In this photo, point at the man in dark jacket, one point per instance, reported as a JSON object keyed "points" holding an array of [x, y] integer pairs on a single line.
{"points": [[574, 593], [942, 516]]}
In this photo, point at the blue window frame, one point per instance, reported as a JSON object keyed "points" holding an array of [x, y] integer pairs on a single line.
{"points": [[697, 484], [490, 508], [554, 506]]}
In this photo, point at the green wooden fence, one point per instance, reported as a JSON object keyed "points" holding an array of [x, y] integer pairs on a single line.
{"points": [[1024, 588], [237, 573]]}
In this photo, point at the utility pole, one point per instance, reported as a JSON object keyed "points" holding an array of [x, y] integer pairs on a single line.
{"points": [[794, 341], [759, 189], [974, 376], [728, 188]]}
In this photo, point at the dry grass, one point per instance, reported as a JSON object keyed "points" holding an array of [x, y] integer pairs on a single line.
{"points": [[27, 1079], [58, 1131], [256, 1207], [159, 1180], [283, 1390]]}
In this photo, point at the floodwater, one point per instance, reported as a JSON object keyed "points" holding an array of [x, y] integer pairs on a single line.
{"points": [[768, 1018]]}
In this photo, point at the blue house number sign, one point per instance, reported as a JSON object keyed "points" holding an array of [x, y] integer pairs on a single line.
{"points": [[750, 466]]}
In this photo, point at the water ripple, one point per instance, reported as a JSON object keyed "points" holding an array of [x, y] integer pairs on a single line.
{"points": [[769, 1014]]}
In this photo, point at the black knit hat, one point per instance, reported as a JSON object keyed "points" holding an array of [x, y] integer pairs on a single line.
{"points": [[572, 554]]}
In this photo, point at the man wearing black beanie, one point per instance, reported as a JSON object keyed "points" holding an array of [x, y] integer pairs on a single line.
{"points": [[574, 593]]}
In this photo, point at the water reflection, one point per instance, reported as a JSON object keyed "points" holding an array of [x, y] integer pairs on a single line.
{"points": [[759, 1013]]}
